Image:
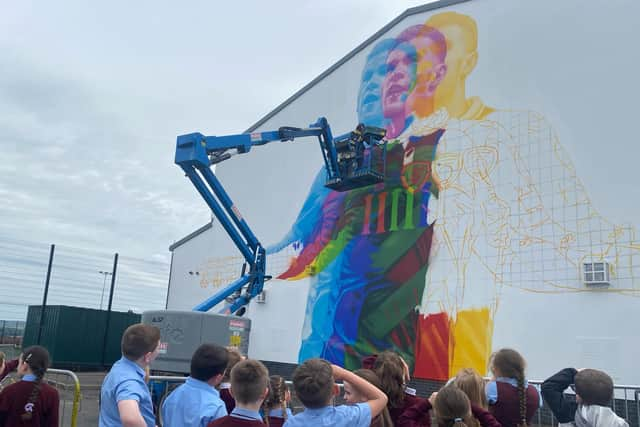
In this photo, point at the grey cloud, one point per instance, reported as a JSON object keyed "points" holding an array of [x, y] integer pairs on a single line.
{"points": [[101, 187]]}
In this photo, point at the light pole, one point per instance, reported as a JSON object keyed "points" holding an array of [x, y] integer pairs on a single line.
{"points": [[104, 282]]}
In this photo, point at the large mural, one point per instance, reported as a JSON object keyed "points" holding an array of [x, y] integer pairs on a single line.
{"points": [[477, 198]]}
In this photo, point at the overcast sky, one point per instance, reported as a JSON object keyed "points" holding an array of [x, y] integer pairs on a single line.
{"points": [[93, 94]]}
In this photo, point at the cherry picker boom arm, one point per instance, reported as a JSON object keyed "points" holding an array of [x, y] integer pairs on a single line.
{"points": [[352, 160]]}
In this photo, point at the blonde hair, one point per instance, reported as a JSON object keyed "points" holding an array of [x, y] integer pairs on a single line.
{"points": [[472, 384], [452, 408], [234, 357]]}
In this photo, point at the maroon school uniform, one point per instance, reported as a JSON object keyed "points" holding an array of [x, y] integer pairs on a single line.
{"points": [[276, 421], [507, 409], [414, 416], [417, 418], [228, 400], [9, 366], [14, 402], [484, 417], [230, 421]]}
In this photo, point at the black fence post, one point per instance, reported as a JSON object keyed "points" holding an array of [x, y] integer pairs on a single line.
{"points": [[46, 293], [106, 327]]}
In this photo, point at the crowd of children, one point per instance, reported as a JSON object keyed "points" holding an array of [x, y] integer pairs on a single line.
{"points": [[225, 389]]}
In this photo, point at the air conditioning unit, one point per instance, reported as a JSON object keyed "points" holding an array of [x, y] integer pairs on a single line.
{"points": [[596, 274], [261, 298]]}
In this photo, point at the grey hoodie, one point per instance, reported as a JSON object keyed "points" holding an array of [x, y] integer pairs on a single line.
{"points": [[596, 416]]}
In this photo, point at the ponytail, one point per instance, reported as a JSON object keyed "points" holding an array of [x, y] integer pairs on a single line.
{"points": [[33, 399], [509, 363], [452, 408], [277, 397], [522, 398], [38, 360]]}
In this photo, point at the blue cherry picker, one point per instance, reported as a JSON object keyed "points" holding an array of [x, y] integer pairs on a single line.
{"points": [[353, 160]]}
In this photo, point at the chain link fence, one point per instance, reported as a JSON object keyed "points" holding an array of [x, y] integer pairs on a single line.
{"points": [[78, 277]]}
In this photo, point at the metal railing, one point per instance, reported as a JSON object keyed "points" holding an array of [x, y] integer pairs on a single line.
{"points": [[626, 402], [68, 386], [160, 387], [11, 351]]}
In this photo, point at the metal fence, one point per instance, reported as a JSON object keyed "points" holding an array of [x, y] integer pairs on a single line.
{"points": [[10, 351], [68, 386], [11, 332], [160, 387], [626, 402], [76, 277]]}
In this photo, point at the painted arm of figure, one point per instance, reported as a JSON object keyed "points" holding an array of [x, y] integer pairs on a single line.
{"points": [[303, 227], [334, 225], [306, 264]]}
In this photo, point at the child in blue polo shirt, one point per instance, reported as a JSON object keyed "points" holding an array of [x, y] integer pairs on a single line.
{"points": [[249, 387], [124, 397], [314, 384], [196, 402]]}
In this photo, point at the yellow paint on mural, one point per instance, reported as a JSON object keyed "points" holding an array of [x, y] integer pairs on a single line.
{"points": [[472, 333]]}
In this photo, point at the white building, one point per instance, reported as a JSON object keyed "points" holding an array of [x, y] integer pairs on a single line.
{"points": [[509, 218]]}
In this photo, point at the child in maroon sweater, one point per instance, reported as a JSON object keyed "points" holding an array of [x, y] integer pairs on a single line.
{"points": [[234, 357], [511, 399], [249, 387], [453, 408], [30, 401], [352, 396], [394, 375]]}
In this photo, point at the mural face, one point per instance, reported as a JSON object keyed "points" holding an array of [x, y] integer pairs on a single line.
{"points": [[417, 264], [369, 105], [396, 86]]}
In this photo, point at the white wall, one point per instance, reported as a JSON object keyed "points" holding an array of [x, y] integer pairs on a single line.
{"points": [[574, 62], [187, 290]]}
